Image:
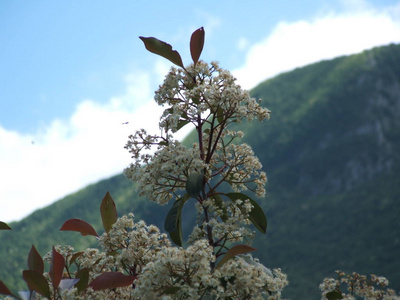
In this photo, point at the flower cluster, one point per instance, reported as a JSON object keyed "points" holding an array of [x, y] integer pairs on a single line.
{"points": [[207, 97], [166, 272], [135, 242], [246, 278], [187, 272], [240, 168], [202, 89], [357, 287], [127, 248], [229, 221], [164, 174]]}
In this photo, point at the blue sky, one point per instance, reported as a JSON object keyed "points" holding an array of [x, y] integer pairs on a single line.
{"points": [[71, 72]]}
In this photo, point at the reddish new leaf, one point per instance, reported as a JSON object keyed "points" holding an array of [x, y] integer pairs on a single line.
{"points": [[163, 49], [4, 289], [235, 250], [4, 226], [108, 212], [196, 44], [35, 261], [36, 282], [56, 268], [111, 280], [79, 226]]}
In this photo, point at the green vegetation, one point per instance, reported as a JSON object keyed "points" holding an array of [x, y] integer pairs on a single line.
{"points": [[332, 155]]}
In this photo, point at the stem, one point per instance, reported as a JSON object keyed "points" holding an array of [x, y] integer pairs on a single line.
{"points": [[209, 229], [209, 154], [199, 129]]}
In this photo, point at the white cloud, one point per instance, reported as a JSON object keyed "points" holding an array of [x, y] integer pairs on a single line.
{"points": [[295, 44], [68, 155]]}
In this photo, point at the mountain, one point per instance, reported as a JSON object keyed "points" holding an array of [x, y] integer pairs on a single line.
{"points": [[332, 155]]}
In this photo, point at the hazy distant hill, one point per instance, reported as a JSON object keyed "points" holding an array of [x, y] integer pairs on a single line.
{"points": [[332, 154]]}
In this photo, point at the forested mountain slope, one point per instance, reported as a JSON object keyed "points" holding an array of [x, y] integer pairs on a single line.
{"points": [[332, 155]]}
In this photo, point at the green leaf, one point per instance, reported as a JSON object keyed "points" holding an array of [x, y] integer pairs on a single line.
{"points": [[235, 250], [196, 44], [75, 256], [257, 215], [83, 276], [170, 223], [79, 226], [35, 261], [173, 220], [194, 184], [36, 282], [172, 290], [163, 49], [333, 295], [111, 280], [176, 235], [219, 114], [56, 268], [220, 204], [182, 123], [108, 212], [4, 226]]}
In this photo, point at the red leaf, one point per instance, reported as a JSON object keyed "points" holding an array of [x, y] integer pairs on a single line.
{"points": [[196, 44], [4, 289], [35, 261], [163, 49], [79, 226], [4, 226], [111, 280], [56, 268], [108, 212], [235, 250], [36, 282]]}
